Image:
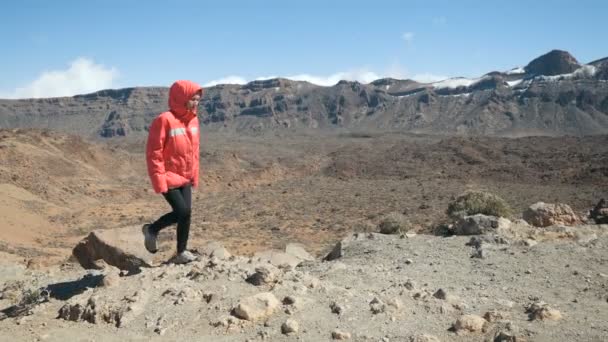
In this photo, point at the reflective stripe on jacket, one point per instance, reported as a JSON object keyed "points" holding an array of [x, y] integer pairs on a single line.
{"points": [[172, 149]]}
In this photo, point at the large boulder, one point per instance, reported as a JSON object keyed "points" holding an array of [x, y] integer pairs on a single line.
{"points": [[542, 214], [122, 247], [480, 224]]}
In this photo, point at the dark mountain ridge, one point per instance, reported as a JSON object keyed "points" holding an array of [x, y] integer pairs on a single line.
{"points": [[553, 95]]}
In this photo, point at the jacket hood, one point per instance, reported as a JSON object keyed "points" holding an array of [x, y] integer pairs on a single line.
{"points": [[181, 91]]}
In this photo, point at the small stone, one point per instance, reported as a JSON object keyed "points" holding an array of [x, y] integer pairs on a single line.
{"points": [[336, 308], [440, 294], [160, 331], [313, 283], [408, 261], [290, 327], [289, 300], [377, 306], [495, 315], [410, 285], [506, 337], [423, 338], [395, 303], [111, 279], [340, 335], [542, 311]]}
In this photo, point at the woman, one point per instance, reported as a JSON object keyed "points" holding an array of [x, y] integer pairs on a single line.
{"points": [[172, 156]]}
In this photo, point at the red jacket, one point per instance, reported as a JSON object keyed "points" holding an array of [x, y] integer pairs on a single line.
{"points": [[172, 150]]}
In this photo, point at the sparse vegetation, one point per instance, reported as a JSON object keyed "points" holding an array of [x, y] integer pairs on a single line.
{"points": [[478, 202], [394, 223], [32, 297]]}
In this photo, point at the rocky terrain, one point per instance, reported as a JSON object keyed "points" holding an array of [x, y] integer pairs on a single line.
{"points": [[509, 282], [260, 192], [462, 210], [506, 280], [553, 95]]}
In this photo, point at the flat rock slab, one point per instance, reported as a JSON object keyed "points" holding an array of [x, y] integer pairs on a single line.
{"points": [[121, 247]]}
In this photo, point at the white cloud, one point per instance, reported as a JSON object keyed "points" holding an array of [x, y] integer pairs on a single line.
{"points": [[428, 78], [226, 80], [360, 75], [363, 76], [82, 76], [408, 37]]}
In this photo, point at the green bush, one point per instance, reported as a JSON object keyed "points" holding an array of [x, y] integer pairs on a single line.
{"points": [[478, 202], [394, 223]]}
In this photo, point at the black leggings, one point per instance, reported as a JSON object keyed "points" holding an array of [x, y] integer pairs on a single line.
{"points": [[180, 200]]}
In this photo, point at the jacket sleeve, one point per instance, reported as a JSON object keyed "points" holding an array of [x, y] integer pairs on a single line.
{"points": [[196, 164], [154, 155]]}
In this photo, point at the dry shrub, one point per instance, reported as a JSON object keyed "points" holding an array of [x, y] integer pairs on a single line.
{"points": [[478, 202]]}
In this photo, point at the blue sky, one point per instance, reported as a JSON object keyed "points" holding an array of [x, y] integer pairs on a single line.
{"points": [[60, 48]]}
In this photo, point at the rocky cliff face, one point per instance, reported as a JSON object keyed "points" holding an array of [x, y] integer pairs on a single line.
{"points": [[552, 95]]}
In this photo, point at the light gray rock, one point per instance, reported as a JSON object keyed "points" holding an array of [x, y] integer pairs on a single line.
{"points": [[339, 249], [480, 224], [290, 326], [257, 307], [264, 275], [277, 258], [340, 335], [215, 249], [298, 251]]}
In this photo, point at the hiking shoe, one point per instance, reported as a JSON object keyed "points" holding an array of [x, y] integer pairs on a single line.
{"points": [[183, 258], [149, 239]]}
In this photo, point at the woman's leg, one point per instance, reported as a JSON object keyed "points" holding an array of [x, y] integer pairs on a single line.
{"points": [[183, 217], [180, 200]]}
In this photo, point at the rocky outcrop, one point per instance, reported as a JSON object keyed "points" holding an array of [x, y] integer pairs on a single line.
{"points": [[546, 214], [555, 62], [122, 247], [99, 309], [114, 125], [599, 214]]}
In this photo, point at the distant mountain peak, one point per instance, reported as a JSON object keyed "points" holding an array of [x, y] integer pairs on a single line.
{"points": [[555, 62]]}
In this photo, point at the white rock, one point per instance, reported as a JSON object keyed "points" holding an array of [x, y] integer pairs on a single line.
{"points": [[257, 307], [340, 335], [298, 251], [469, 323]]}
